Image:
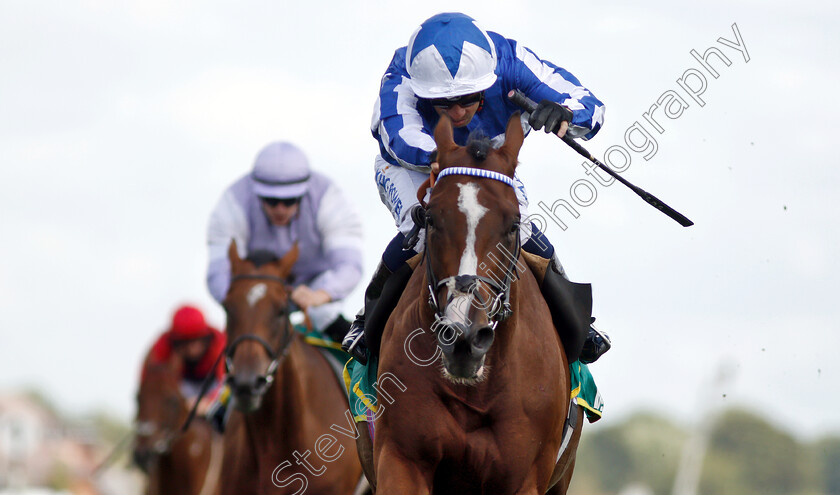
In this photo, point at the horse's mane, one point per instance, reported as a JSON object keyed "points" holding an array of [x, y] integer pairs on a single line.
{"points": [[261, 257], [478, 145]]}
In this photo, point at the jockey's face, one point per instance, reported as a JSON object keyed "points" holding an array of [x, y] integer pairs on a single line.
{"points": [[192, 350], [460, 110], [280, 212]]}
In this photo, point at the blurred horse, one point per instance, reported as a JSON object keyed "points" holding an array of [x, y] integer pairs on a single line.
{"points": [[288, 399], [488, 416], [177, 463]]}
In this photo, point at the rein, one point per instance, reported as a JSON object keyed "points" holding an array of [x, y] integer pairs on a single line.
{"points": [[500, 309], [277, 355], [205, 386]]}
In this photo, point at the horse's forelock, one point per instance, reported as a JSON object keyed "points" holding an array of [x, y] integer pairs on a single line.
{"points": [[478, 145], [261, 257]]}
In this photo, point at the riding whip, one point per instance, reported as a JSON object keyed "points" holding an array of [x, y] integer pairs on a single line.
{"points": [[529, 105], [205, 385]]}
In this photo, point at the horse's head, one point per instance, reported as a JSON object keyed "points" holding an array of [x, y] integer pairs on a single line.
{"points": [[161, 411], [258, 329], [472, 243]]}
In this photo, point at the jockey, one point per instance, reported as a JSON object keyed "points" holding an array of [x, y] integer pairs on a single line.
{"points": [[453, 67], [282, 202], [199, 346]]}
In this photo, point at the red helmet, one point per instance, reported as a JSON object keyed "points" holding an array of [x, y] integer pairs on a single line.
{"points": [[188, 323]]}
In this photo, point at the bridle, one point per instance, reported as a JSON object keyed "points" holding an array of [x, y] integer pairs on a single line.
{"points": [[145, 429], [276, 355], [500, 309]]}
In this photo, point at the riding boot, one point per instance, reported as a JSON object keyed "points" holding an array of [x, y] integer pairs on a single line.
{"points": [[597, 343], [354, 341], [558, 292]]}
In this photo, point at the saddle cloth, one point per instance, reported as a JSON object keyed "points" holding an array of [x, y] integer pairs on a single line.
{"points": [[359, 381]]}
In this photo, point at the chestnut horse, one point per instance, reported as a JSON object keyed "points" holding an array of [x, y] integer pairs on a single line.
{"points": [[488, 416], [292, 431], [177, 463]]}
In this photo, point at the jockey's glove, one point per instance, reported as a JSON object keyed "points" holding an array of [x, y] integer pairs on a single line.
{"points": [[549, 115]]}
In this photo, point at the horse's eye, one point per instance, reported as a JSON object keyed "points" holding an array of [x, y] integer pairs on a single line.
{"points": [[430, 224], [514, 228]]}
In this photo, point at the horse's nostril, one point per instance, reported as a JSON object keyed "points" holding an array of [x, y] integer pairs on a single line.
{"points": [[141, 459], [483, 338]]}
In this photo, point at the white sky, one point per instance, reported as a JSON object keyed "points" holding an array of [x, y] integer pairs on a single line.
{"points": [[122, 122]]}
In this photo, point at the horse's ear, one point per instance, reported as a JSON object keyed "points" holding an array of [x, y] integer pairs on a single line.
{"points": [[233, 255], [513, 138], [444, 139], [175, 364], [288, 261]]}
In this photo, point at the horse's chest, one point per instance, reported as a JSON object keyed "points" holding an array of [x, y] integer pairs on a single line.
{"points": [[481, 458]]}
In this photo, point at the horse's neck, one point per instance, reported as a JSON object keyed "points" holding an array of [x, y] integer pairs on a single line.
{"points": [[174, 475], [281, 408], [175, 470], [185, 454]]}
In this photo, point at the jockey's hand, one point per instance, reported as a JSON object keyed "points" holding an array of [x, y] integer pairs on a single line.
{"points": [[305, 297], [204, 406], [552, 117]]}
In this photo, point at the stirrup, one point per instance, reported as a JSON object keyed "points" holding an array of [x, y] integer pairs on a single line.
{"points": [[597, 343]]}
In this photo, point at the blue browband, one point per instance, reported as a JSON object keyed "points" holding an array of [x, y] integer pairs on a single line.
{"points": [[476, 172]]}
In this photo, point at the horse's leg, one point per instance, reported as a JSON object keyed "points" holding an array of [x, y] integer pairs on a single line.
{"points": [[562, 486], [364, 446], [562, 475], [396, 475]]}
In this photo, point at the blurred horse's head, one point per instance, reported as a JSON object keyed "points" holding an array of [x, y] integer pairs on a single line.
{"points": [[161, 411], [258, 329]]}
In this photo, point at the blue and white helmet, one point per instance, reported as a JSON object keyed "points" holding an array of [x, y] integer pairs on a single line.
{"points": [[450, 56]]}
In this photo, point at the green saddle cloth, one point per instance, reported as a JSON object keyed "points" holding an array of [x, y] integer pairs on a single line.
{"points": [[318, 339], [359, 380]]}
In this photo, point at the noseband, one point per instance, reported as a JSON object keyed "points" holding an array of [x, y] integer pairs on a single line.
{"points": [[500, 309], [276, 355]]}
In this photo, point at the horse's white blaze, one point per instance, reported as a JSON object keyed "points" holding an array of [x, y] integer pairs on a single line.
{"points": [[256, 293], [458, 308], [468, 204]]}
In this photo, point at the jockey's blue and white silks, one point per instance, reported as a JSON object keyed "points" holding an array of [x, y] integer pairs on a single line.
{"points": [[404, 124], [327, 229]]}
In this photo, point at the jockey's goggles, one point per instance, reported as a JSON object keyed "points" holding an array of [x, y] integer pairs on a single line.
{"points": [[178, 343], [287, 202], [464, 101]]}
